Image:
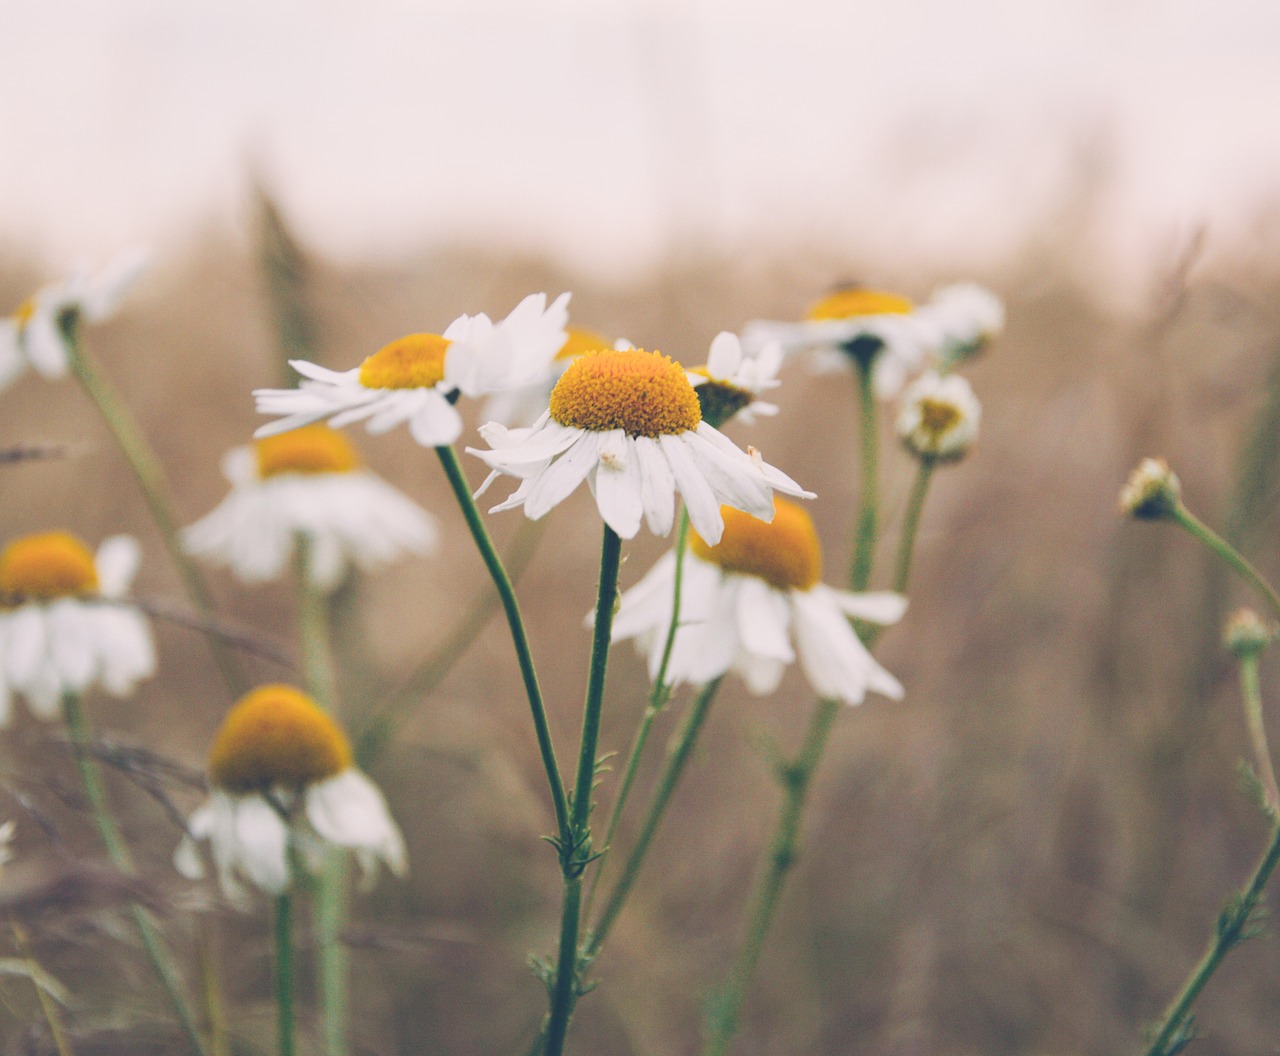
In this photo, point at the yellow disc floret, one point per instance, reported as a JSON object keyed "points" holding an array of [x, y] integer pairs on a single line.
{"points": [[937, 417], [645, 393], [276, 736], [855, 301], [784, 553], [580, 341], [413, 362], [22, 316], [311, 449], [46, 566]]}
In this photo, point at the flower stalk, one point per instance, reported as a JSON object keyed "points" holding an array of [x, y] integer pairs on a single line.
{"points": [[864, 545], [1185, 519], [284, 974]]}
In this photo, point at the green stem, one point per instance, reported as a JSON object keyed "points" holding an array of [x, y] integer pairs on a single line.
{"points": [[911, 524], [578, 855], [462, 492], [379, 728], [865, 540], [48, 1007], [677, 757], [284, 972], [1233, 928], [118, 852], [1186, 519], [659, 695], [332, 886], [147, 469], [1252, 693], [725, 1010]]}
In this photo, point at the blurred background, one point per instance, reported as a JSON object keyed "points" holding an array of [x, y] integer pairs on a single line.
{"points": [[1025, 855]]}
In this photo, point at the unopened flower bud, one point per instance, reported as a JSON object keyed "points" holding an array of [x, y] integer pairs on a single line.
{"points": [[1247, 633], [1152, 491]]}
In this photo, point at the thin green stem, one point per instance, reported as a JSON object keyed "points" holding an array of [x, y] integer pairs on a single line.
{"points": [[332, 887], [118, 852], [911, 525], [864, 546], [1252, 693], [48, 1007], [659, 695], [576, 857], [462, 492], [677, 757], [796, 777], [378, 729], [284, 972], [1235, 924], [1186, 519], [155, 491]]}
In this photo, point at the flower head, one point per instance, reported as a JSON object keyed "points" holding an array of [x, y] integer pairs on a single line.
{"points": [[64, 626], [728, 385], [967, 317], [1247, 634], [307, 483], [33, 334], [417, 378], [283, 781], [753, 601], [939, 417], [1152, 491], [629, 424]]}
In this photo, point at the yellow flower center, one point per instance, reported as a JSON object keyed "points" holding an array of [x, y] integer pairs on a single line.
{"points": [[645, 393], [784, 553], [580, 341], [276, 736], [937, 417], [413, 362], [46, 566], [24, 313], [311, 449], [854, 301]]}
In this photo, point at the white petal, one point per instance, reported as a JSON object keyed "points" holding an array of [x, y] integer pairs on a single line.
{"points": [[563, 476], [764, 620], [350, 811], [725, 356], [117, 563], [261, 843], [618, 485], [657, 485], [882, 607], [699, 499]]}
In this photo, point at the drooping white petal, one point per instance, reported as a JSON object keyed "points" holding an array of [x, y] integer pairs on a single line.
{"points": [[117, 563], [350, 811], [261, 843]]}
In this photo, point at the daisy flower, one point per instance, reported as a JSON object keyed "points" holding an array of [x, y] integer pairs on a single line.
{"points": [[730, 382], [750, 604], [865, 325], [629, 424], [283, 790], [32, 335], [417, 378], [63, 625], [307, 482], [939, 417], [967, 317], [521, 407]]}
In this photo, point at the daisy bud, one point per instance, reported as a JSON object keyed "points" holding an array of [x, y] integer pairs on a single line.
{"points": [[1152, 492], [939, 417], [1247, 634]]}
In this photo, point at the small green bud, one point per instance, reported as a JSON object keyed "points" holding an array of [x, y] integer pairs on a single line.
{"points": [[1152, 492], [1247, 633]]}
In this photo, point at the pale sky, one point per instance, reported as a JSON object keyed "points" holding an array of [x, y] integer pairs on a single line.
{"points": [[596, 130]]}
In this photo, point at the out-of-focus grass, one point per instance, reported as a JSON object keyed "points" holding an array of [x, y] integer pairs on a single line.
{"points": [[1023, 856]]}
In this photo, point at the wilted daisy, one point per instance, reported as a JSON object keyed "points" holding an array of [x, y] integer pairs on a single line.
{"points": [[871, 326], [939, 417], [63, 628], [417, 378], [629, 424], [750, 604], [283, 788], [729, 384], [521, 407], [32, 335], [307, 483]]}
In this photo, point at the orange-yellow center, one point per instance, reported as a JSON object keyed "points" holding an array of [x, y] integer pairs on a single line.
{"points": [[580, 341], [24, 313], [311, 449], [855, 301], [645, 393], [46, 566], [413, 362], [276, 736], [784, 553], [938, 416]]}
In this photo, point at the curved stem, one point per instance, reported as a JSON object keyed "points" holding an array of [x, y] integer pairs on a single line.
{"points": [[678, 756], [146, 468], [284, 973], [864, 545], [576, 857], [1201, 531], [462, 492], [1252, 693], [118, 852], [796, 776], [658, 698], [48, 1006], [1234, 926], [911, 525]]}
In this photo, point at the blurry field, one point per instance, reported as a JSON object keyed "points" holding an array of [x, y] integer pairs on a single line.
{"points": [[1024, 856]]}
